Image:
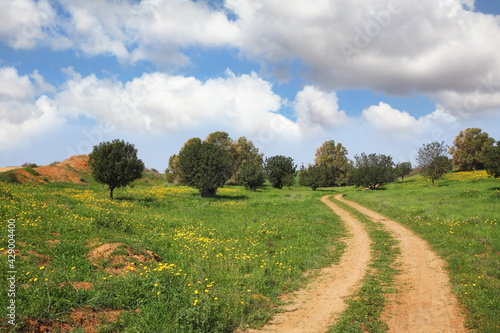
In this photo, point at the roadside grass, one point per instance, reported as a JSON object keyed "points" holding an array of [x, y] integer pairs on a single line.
{"points": [[459, 218], [165, 258], [363, 313]]}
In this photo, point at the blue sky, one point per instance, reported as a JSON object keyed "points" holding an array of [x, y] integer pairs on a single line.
{"points": [[379, 76]]}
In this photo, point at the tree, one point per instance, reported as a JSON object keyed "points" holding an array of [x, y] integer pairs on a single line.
{"points": [[243, 151], [289, 180], [402, 170], [173, 173], [205, 166], [311, 176], [277, 167], [220, 139], [115, 164], [433, 162], [334, 157], [470, 148], [492, 164], [252, 175], [372, 171]]}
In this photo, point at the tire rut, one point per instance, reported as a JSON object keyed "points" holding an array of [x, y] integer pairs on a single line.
{"points": [[317, 307], [425, 302]]}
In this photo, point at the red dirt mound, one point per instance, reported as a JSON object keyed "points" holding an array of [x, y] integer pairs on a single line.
{"points": [[67, 171]]}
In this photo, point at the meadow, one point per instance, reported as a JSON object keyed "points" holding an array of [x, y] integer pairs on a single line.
{"points": [[459, 217], [159, 258]]}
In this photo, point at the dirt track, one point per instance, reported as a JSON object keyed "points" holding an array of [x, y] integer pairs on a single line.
{"points": [[425, 302], [314, 309]]}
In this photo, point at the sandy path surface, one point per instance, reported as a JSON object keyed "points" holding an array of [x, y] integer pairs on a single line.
{"points": [[425, 302], [315, 309]]}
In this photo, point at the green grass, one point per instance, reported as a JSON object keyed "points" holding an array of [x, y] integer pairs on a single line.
{"points": [[363, 313], [222, 264], [459, 218]]}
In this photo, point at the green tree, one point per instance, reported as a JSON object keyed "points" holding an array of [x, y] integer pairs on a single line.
{"points": [[470, 148], [289, 180], [433, 162], [252, 175], [243, 151], [492, 164], [372, 171], [311, 177], [220, 139], [173, 173], [115, 164], [205, 166], [334, 158], [277, 167], [402, 170]]}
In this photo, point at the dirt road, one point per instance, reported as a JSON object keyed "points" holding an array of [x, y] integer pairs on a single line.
{"points": [[314, 309], [425, 302]]}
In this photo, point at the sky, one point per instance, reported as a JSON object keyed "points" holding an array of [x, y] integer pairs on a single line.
{"points": [[378, 76]]}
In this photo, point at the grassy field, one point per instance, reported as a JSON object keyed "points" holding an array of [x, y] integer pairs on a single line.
{"points": [[159, 258], [459, 217], [162, 259]]}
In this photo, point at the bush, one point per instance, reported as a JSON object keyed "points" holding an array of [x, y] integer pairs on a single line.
{"points": [[9, 177]]}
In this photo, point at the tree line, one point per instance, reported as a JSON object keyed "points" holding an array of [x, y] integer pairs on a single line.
{"points": [[219, 160]]}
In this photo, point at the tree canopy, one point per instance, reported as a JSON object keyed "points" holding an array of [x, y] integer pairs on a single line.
{"points": [[492, 163], [115, 164], [470, 148], [332, 157], [205, 166], [277, 168], [433, 161], [252, 175], [403, 169], [372, 170]]}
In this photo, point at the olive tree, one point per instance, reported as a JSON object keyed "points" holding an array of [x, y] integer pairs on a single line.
{"points": [[433, 161], [372, 171], [115, 164]]}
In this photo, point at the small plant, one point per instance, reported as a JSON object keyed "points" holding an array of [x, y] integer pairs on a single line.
{"points": [[31, 171], [9, 177]]}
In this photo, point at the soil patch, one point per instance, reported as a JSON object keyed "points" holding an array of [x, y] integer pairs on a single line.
{"points": [[85, 318], [118, 257]]}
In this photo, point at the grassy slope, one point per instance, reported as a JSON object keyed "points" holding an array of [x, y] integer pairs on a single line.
{"points": [[459, 217], [224, 260]]}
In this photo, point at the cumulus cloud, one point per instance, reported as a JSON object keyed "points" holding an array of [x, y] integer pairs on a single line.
{"points": [[159, 102], [24, 21], [318, 110], [400, 124], [23, 117], [440, 48]]}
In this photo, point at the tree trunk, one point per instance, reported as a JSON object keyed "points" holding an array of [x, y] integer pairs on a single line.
{"points": [[111, 192]]}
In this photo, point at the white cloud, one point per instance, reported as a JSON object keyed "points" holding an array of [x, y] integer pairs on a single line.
{"points": [[384, 117], [23, 22], [159, 102], [22, 116], [318, 110]]}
